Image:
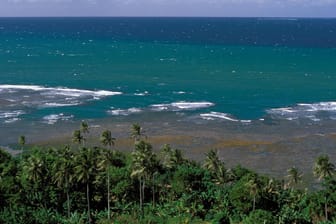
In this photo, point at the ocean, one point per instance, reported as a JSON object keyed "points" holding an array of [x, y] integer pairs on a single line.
{"points": [[198, 70]]}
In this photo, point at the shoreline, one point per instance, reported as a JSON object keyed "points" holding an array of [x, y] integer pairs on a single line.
{"points": [[268, 149]]}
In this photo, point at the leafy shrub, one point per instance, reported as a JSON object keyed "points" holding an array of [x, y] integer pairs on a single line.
{"points": [[259, 216]]}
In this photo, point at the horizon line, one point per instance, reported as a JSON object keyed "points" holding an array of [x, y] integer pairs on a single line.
{"points": [[242, 17]]}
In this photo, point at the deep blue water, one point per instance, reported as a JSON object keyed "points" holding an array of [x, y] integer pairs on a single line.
{"points": [[230, 69]]}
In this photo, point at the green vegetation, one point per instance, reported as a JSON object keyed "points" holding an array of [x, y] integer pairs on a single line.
{"points": [[102, 185]]}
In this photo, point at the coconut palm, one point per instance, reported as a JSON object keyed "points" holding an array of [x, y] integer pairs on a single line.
{"points": [[215, 166], [171, 157], [85, 170], [63, 170], [138, 171], [107, 139], [22, 142], [212, 161], [323, 168], [273, 187], [294, 176], [136, 132], [105, 164], [84, 128], [34, 168], [254, 188], [77, 137], [144, 166]]}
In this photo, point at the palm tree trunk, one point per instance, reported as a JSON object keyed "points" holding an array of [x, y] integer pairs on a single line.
{"points": [[254, 202], [140, 192], [68, 197], [68, 202], [143, 193], [143, 190], [153, 192], [326, 209], [108, 195], [88, 201]]}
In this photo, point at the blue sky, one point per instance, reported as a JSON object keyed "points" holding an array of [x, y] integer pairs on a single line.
{"points": [[218, 8]]}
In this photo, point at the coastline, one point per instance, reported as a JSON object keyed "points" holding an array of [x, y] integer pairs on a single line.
{"points": [[270, 149]]}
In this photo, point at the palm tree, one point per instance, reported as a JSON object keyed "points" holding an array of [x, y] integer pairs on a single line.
{"points": [[22, 142], [254, 187], [136, 132], [107, 139], [212, 161], [63, 170], [77, 137], [144, 165], [138, 170], [84, 128], [215, 166], [105, 164], [85, 169], [294, 176], [34, 170], [171, 157], [323, 169], [34, 166]]}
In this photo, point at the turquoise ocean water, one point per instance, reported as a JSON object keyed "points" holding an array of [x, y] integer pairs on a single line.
{"points": [[211, 69]]}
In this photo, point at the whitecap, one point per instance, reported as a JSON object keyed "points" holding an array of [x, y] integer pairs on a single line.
{"points": [[168, 59], [11, 120], [179, 92], [61, 90], [53, 118], [141, 94], [313, 111], [11, 114], [192, 105], [124, 112], [40, 97], [177, 106], [46, 105], [217, 115], [159, 107]]}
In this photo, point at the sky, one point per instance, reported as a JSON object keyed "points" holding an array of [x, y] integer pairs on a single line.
{"points": [[207, 8]]}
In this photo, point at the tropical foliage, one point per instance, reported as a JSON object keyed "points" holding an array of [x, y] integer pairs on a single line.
{"points": [[99, 185]]}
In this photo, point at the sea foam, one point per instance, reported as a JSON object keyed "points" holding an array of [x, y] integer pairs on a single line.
{"points": [[41, 97], [53, 118], [313, 111], [182, 105], [217, 115], [125, 112], [10, 114], [60, 90]]}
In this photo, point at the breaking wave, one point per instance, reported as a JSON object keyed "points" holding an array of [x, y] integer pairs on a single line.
{"points": [[222, 116], [314, 111], [178, 106], [125, 112], [40, 97], [53, 118]]}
